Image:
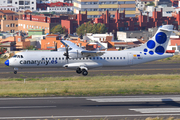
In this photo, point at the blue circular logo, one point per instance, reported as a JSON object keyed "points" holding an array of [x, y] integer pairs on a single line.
{"points": [[151, 44], [144, 53], [161, 38], [151, 52], [160, 50], [145, 50]]}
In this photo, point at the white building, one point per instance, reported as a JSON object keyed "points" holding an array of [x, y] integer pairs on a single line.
{"points": [[167, 11], [49, 1], [20, 4], [64, 9], [100, 39], [172, 45], [131, 36], [12, 8]]}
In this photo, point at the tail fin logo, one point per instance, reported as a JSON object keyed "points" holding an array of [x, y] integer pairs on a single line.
{"points": [[161, 38], [155, 46], [160, 50], [151, 44]]}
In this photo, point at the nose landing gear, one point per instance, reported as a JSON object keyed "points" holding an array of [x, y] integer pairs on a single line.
{"points": [[15, 70]]}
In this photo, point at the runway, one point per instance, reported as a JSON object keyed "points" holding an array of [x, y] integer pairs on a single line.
{"points": [[111, 107], [150, 68]]}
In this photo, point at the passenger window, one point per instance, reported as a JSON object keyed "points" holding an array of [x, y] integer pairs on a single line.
{"points": [[42, 58], [21, 56], [114, 57], [104, 57], [59, 58], [52, 58], [93, 58], [79, 58], [111, 57], [46, 58], [97, 58], [124, 58], [15, 56], [86, 58], [49, 58], [120, 57], [117, 57], [62, 58], [56, 58], [90, 58], [107, 57]]}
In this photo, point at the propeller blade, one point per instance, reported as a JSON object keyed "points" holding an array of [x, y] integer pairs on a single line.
{"points": [[55, 46], [67, 54]]}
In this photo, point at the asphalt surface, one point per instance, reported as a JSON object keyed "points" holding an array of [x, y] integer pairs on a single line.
{"points": [[150, 68], [112, 107]]}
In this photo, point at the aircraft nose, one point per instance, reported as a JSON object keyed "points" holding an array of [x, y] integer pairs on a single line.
{"points": [[7, 62]]}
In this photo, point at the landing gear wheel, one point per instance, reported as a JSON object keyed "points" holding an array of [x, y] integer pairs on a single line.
{"points": [[15, 72], [84, 72], [78, 71]]}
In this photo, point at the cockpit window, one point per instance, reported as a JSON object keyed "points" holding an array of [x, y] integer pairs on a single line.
{"points": [[17, 56]]}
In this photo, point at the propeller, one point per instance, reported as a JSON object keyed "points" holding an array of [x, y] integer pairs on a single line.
{"points": [[67, 53], [55, 45]]}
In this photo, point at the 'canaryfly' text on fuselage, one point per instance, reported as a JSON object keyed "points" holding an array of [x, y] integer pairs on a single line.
{"points": [[38, 62]]}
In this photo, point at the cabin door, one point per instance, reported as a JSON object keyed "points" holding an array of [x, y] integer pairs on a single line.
{"points": [[130, 58]]}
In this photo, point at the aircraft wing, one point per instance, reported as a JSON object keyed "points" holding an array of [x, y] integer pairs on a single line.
{"points": [[92, 53], [67, 43], [83, 52]]}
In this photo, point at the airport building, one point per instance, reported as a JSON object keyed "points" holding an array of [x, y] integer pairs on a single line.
{"points": [[20, 4], [95, 8]]}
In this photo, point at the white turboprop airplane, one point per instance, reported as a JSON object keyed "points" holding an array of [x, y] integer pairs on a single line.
{"points": [[76, 58]]}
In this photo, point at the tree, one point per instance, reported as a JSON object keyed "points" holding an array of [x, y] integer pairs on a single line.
{"points": [[94, 30], [31, 47], [103, 28], [98, 27], [81, 29], [91, 28], [58, 29], [150, 4]]}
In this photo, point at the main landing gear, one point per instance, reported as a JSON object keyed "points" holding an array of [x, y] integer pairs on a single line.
{"points": [[15, 70], [82, 70]]}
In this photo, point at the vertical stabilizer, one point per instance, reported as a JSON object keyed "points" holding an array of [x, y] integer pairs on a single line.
{"points": [[158, 43]]}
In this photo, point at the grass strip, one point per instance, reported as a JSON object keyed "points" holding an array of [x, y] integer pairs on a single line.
{"points": [[91, 86]]}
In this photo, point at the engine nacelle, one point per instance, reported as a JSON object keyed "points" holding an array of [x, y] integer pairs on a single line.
{"points": [[63, 49], [75, 54], [86, 66]]}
